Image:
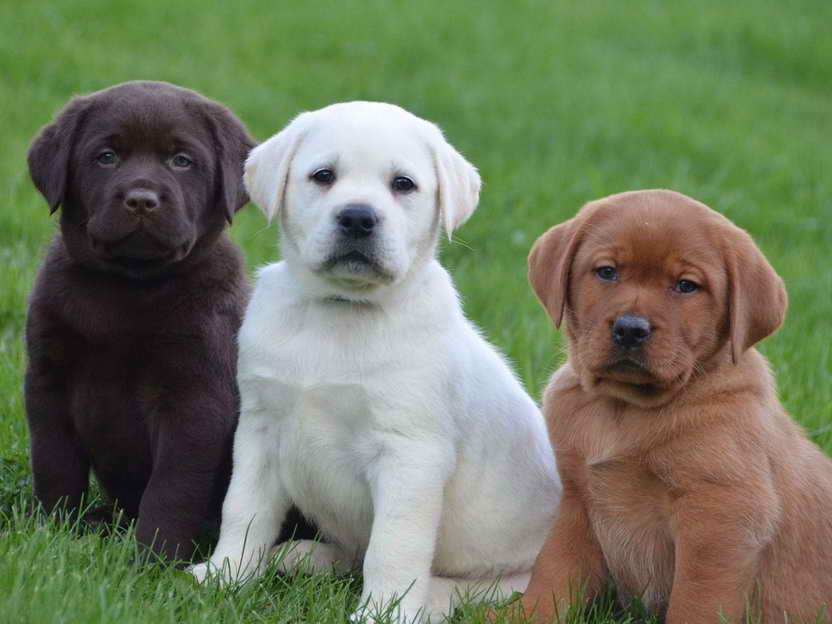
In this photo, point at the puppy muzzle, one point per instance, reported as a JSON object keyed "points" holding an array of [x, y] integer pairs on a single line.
{"points": [[630, 332], [355, 254], [356, 222]]}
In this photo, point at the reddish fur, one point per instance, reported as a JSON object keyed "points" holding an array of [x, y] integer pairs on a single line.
{"points": [[687, 486]]}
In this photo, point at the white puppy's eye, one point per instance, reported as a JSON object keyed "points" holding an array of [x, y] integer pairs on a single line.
{"points": [[323, 176], [403, 184]]}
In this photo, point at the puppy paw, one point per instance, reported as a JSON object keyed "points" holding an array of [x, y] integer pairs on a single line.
{"points": [[199, 571], [508, 613], [204, 571], [309, 556], [228, 572], [357, 616], [397, 612]]}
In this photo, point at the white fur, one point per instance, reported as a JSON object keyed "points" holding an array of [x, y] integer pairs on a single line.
{"points": [[368, 399]]}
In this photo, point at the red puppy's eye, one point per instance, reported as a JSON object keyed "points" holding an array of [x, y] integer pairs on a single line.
{"points": [[607, 273], [686, 287]]}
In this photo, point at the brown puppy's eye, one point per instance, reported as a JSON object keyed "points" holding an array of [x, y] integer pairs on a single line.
{"points": [[686, 286], [180, 161], [107, 158], [606, 273], [403, 184], [324, 176]]}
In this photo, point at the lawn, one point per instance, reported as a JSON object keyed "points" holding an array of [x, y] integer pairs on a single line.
{"points": [[557, 103]]}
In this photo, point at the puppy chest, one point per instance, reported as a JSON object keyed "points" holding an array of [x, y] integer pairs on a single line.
{"points": [[325, 447], [120, 396], [629, 511], [112, 420], [107, 386]]}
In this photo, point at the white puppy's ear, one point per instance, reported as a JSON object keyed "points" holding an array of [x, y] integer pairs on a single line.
{"points": [[267, 167], [459, 182]]}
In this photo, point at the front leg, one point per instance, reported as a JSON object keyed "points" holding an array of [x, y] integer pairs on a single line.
{"points": [[720, 533], [192, 436], [570, 564], [255, 506], [60, 468], [407, 486]]}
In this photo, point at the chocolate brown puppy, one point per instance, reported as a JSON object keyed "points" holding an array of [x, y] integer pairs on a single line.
{"points": [[132, 321], [686, 484]]}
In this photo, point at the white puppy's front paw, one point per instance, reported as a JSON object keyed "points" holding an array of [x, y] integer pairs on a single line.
{"points": [[410, 613], [357, 616], [199, 571], [209, 570], [402, 611], [309, 556]]}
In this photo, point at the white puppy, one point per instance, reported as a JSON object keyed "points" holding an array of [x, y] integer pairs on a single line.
{"points": [[368, 399]]}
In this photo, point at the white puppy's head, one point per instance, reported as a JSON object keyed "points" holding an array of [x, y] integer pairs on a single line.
{"points": [[361, 189]]}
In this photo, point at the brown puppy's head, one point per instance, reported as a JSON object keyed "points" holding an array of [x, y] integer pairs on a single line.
{"points": [[146, 174], [656, 287]]}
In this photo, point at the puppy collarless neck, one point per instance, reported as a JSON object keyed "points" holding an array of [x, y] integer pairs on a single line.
{"points": [[340, 300]]}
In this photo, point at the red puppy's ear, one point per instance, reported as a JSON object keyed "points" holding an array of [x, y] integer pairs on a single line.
{"points": [[757, 298], [550, 262]]}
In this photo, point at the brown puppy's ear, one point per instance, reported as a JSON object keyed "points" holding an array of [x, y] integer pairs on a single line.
{"points": [[757, 298], [233, 144], [49, 152], [550, 261]]}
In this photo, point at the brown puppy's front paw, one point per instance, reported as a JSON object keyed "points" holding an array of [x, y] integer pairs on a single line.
{"points": [[104, 520], [519, 610], [537, 610]]}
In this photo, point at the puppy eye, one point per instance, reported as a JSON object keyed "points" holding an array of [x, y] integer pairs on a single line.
{"points": [[606, 273], [324, 176], [686, 286], [403, 184], [180, 161], [107, 158]]}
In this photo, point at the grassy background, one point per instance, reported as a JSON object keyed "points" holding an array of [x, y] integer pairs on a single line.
{"points": [[556, 103]]}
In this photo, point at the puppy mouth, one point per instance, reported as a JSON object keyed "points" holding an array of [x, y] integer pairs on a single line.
{"points": [[634, 380], [352, 257], [355, 266], [138, 263], [138, 257], [628, 365], [629, 370]]}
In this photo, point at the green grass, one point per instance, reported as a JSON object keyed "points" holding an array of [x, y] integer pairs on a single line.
{"points": [[556, 103]]}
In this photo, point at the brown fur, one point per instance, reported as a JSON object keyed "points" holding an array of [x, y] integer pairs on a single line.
{"points": [[132, 322], [686, 485]]}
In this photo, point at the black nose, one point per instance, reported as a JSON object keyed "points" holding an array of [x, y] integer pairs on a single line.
{"points": [[630, 331], [141, 201], [356, 221]]}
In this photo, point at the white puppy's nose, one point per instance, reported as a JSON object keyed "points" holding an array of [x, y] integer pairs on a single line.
{"points": [[356, 221]]}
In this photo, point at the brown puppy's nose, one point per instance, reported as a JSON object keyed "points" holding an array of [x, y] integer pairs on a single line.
{"points": [[141, 201], [630, 331]]}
